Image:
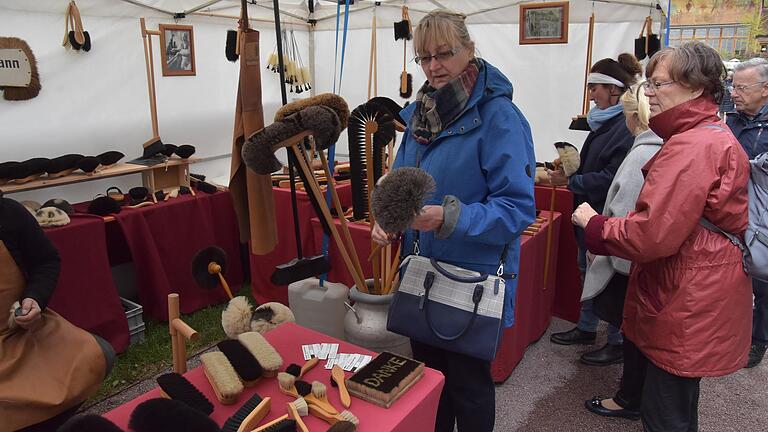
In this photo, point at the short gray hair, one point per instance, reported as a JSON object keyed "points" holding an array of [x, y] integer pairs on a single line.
{"points": [[758, 63]]}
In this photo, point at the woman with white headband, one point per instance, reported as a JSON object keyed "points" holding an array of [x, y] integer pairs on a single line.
{"points": [[602, 153]]}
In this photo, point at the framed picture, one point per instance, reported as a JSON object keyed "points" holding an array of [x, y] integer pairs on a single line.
{"points": [[544, 23], [177, 49]]}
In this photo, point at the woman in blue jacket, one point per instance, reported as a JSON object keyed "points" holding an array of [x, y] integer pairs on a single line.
{"points": [[602, 153], [464, 130]]}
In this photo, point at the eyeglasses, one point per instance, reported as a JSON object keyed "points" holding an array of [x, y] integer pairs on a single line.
{"points": [[654, 86], [741, 88], [440, 57]]}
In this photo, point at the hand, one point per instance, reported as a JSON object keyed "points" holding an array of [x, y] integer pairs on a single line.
{"points": [[381, 237], [557, 177], [30, 313], [590, 258], [582, 215], [430, 218]]}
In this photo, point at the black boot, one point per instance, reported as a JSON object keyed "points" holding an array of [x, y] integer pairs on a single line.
{"points": [[607, 355], [756, 353], [574, 337]]}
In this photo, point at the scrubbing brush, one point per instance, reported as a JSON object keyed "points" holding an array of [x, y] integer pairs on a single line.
{"points": [[263, 351], [175, 386], [222, 376], [249, 415], [280, 424], [242, 361], [299, 371]]}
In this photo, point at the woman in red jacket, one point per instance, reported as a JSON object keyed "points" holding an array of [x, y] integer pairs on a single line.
{"points": [[688, 306]]}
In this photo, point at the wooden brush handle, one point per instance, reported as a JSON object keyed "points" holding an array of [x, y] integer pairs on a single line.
{"points": [[311, 363]]}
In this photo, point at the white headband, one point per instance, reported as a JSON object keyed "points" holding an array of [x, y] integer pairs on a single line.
{"points": [[598, 78]]}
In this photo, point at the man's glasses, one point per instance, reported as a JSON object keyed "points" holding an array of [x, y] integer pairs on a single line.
{"points": [[440, 57], [654, 86], [741, 87]]}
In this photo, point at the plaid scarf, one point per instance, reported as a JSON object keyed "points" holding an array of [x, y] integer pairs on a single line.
{"points": [[436, 109]]}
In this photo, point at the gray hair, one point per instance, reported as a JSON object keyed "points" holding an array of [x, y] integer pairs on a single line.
{"points": [[758, 63]]}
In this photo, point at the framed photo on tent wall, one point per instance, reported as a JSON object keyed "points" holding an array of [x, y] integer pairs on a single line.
{"points": [[177, 49], [544, 23]]}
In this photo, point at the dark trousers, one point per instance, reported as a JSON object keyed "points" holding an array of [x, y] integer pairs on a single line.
{"points": [[760, 313], [630, 393], [670, 402], [468, 399]]}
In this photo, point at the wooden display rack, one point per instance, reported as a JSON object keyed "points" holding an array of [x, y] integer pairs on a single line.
{"points": [[170, 174]]}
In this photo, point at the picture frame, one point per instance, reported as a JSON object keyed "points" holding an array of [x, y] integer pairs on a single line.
{"points": [[544, 23], [177, 50]]}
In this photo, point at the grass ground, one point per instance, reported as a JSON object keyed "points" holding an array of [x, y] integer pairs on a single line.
{"points": [[144, 360]]}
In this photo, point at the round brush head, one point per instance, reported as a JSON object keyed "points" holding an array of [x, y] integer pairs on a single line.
{"points": [[88, 164], [201, 263], [110, 157], [399, 197]]}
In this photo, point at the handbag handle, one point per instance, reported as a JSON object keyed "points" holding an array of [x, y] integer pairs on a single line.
{"points": [[464, 279], [477, 295]]}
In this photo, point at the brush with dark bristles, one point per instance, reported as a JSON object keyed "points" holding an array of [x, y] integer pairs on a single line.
{"points": [[155, 415], [175, 386], [248, 415], [88, 423], [242, 360], [231, 47], [343, 426], [399, 197], [299, 371], [280, 424]]}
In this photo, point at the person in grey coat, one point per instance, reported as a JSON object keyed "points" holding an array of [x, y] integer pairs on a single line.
{"points": [[606, 279]]}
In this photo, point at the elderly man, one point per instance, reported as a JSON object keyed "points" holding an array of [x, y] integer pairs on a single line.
{"points": [[750, 95]]}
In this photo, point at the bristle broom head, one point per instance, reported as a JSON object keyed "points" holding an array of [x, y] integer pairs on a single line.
{"points": [[293, 369], [263, 351], [161, 415], [241, 359], [399, 197], [286, 380], [235, 420], [301, 406], [223, 375], [179, 388], [230, 49], [303, 388]]}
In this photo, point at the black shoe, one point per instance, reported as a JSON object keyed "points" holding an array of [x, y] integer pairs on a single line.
{"points": [[574, 337], [756, 353], [596, 406], [607, 355]]}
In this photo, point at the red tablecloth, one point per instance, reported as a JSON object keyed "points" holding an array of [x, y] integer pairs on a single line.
{"points": [[262, 266], [534, 299], [85, 294], [413, 412], [568, 292], [361, 237], [164, 238]]}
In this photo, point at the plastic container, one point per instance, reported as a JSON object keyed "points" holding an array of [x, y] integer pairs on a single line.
{"points": [[135, 320], [365, 323], [319, 308]]}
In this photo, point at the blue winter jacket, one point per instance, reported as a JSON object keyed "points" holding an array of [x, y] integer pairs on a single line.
{"points": [[485, 160], [750, 131]]}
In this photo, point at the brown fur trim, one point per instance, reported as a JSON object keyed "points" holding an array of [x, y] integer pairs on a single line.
{"points": [[335, 102]]}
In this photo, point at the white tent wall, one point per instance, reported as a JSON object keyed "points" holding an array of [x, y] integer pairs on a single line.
{"points": [[97, 101]]}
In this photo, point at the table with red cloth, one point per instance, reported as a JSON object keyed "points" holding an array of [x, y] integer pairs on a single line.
{"points": [[361, 238], [533, 303], [262, 266], [86, 294], [534, 298], [568, 291], [414, 411], [164, 238]]}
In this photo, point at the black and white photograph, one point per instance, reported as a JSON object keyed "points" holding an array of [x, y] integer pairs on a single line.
{"points": [[542, 23], [177, 50]]}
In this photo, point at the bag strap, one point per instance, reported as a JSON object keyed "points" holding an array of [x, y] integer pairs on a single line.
{"points": [[732, 237], [477, 295], [499, 271]]}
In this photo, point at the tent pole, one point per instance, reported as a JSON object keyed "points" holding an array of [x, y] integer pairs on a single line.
{"points": [[140, 4], [202, 6], [260, 20]]}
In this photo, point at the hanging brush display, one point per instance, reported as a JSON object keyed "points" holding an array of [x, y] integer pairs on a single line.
{"points": [[297, 75], [77, 38], [404, 31]]}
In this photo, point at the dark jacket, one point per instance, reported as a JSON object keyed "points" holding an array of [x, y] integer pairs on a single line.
{"points": [[485, 160], [602, 153], [689, 302], [750, 131], [35, 255]]}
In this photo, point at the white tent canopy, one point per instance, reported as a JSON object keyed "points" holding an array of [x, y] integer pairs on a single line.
{"points": [[97, 101]]}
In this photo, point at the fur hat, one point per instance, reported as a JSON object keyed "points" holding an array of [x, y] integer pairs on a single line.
{"points": [[60, 204], [103, 206], [239, 317], [51, 217]]}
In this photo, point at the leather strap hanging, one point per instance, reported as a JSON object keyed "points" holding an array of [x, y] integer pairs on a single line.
{"points": [[76, 38]]}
